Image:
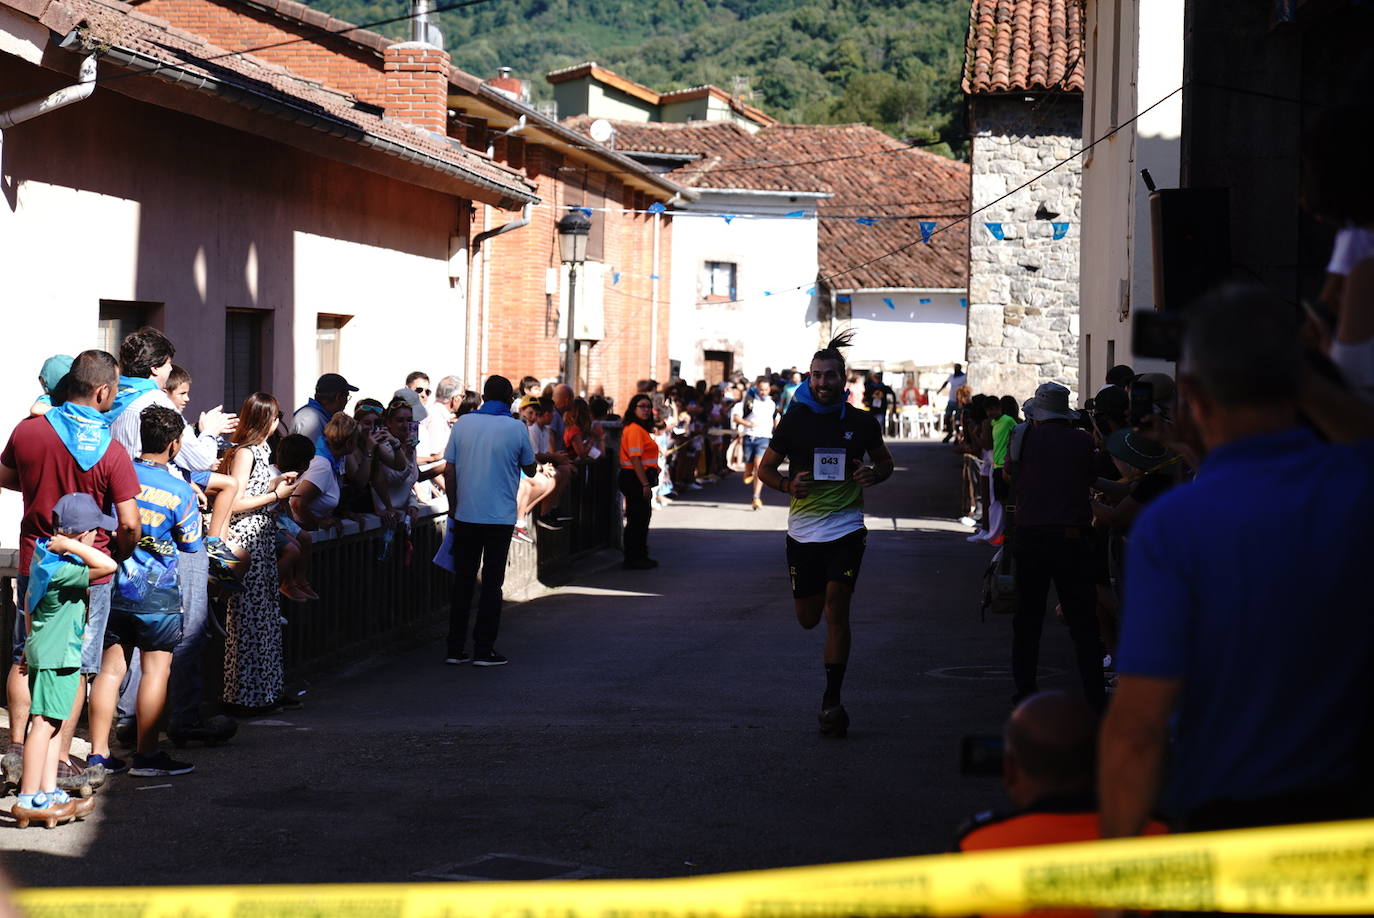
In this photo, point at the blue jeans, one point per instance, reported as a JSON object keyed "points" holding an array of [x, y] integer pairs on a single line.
{"points": [[92, 639], [755, 447], [185, 686]]}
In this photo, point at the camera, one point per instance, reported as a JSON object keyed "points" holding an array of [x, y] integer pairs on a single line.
{"points": [[980, 755], [1142, 402]]}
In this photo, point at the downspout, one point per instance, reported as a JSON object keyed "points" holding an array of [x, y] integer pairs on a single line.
{"points": [[653, 294], [82, 89], [486, 274]]}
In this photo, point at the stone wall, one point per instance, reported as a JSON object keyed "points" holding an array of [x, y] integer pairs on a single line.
{"points": [[1023, 288]]}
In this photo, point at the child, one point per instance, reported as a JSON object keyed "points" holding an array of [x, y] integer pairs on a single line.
{"points": [[227, 565], [50, 377], [145, 603], [60, 575], [293, 543]]}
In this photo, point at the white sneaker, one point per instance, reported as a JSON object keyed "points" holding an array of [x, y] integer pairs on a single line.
{"points": [[968, 521]]}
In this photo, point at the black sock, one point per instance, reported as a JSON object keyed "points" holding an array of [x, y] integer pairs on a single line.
{"points": [[834, 678]]}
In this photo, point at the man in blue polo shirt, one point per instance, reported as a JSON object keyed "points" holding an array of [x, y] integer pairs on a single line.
{"points": [[1246, 625], [487, 450]]}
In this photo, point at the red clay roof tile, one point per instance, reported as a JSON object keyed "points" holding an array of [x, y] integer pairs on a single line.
{"points": [[1024, 45]]}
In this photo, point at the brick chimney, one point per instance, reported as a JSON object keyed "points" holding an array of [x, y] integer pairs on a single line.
{"points": [[508, 85], [417, 85]]}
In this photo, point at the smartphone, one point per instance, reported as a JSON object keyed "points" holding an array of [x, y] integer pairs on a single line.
{"points": [[981, 755], [1142, 402]]}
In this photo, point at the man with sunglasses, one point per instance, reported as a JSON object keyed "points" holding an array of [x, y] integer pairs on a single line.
{"points": [[332, 393]]}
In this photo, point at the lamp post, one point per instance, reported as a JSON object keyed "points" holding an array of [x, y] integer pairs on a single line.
{"points": [[573, 231]]}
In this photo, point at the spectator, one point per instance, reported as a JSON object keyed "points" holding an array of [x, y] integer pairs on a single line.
{"points": [[1209, 622], [146, 603], [371, 448], [954, 382], [562, 400], [332, 393], [579, 436], [60, 576], [448, 397], [393, 488], [295, 546], [1144, 467], [50, 377], [178, 387], [756, 415], [469, 403], [252, 645], [67, 451], [638, 477], [1048, 764], [1120, 375], [789, 392], [1052, 543], [145, 360], [537, 413], [529, 385], [315, 498], [880, 398], [487, 450]]}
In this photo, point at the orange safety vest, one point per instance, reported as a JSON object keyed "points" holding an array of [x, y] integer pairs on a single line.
{"points": [[1031, 828]]}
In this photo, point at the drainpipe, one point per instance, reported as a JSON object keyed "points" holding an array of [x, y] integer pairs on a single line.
{"points": [[60, 99], [513, 129], [653, 294], [486, 275]]}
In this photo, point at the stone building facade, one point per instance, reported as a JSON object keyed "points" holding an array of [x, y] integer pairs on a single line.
{"points": [[1023, 321]]}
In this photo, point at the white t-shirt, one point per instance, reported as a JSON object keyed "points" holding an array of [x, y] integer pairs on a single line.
{"points": [[321, 475], [434, 431], [954, 382], [1353, 245], [763, 415]]}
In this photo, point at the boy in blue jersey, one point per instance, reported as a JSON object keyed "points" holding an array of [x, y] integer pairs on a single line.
{"points": [[145, 605]]}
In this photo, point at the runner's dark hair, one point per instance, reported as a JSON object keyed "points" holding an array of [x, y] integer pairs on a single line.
{"points": [[832, 351]]}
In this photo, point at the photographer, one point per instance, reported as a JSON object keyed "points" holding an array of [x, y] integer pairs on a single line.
{"points": [[1209, 624]]}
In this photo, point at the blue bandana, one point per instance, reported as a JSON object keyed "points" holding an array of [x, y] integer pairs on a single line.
{"points": [[325, 416], [494, 407], [130, 388], [805, 397], [83, 430], [41, 569], [322, 449]]}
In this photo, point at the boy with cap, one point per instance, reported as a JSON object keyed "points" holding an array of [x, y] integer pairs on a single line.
{"points": [[54, 370], [146, 605], [59, 576]]}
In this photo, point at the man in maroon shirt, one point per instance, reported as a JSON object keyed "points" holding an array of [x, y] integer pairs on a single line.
{"points": [[45, 459], [1052, 542]]}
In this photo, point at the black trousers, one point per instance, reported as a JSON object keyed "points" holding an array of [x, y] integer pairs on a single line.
{"points": [[1062, 556], [474, 545], [638, 510]]}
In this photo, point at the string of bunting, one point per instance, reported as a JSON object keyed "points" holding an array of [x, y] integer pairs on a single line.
{"points": [[927, 228]]}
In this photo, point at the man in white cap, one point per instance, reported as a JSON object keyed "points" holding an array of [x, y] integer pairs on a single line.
{"points": [[1053, 542]]}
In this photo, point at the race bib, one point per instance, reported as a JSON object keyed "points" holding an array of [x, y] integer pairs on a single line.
{"points": [[828, 465]]}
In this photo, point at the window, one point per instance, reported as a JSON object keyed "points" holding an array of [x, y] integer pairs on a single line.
{"points": [[120, 317], [720, 281], [243, 330], [328, 337]]}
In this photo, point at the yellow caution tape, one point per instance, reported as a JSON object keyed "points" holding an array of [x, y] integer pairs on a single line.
{"points": [[1314, 869]]}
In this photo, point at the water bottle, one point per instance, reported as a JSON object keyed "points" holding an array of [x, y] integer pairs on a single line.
{"points": [[388, 537]]}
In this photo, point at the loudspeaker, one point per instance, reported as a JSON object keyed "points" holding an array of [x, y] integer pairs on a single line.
{"points": [[1190, 231]]}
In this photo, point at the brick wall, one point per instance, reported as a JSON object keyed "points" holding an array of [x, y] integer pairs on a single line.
{"points": [[233, 26], [523, 326], [417, 85]]}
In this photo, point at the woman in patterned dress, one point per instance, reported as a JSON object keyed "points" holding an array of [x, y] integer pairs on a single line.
{"points": [[253, 649]]}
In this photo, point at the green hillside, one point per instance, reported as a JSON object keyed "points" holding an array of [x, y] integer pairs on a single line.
{"points": [[894, 64]]}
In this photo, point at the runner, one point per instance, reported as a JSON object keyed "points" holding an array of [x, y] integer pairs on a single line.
{"points": [[824, 442]]}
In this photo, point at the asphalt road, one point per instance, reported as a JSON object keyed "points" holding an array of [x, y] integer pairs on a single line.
{"points": [[649, 724]]}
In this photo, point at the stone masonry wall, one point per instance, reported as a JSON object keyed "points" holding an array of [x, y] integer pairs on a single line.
{"points": [[1023, 289]]}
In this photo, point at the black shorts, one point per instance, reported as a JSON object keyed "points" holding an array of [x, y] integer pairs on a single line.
{"points": [[812, 565], [143, 630]]}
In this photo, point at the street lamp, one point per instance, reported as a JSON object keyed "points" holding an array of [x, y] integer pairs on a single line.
{"points": [[573, 232]]}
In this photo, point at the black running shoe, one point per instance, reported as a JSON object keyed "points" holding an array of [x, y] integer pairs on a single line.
{"points": [[490, 658], [158, 765]]}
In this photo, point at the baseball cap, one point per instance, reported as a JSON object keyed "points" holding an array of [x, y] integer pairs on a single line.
{"points": [[411, 398], [333, 382], [1113, 401], [528, 401], [77, 513], [54, 368]]}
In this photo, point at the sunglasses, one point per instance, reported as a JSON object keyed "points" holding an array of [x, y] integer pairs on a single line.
{"points": [[423, 391]]}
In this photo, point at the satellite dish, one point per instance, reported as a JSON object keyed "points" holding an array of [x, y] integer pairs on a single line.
{"points": [[601, 130]]}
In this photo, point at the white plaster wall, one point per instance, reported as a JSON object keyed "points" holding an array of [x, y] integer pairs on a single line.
{"points": [[116, 199], [1142, 55], [914, 333], [773, 253]]}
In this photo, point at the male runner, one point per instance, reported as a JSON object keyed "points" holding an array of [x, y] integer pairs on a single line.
{"points": [[824, 443]]}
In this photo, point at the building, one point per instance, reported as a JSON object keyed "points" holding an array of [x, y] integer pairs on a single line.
{"points": [[1134, 68], [508, 275], [801, 230], [592, 90], [1023, 81]]}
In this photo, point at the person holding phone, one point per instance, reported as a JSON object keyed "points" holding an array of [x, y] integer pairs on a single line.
{"points": [[824, 443]]}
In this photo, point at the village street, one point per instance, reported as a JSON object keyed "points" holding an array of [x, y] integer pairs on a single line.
{"points": [[649, 724]]}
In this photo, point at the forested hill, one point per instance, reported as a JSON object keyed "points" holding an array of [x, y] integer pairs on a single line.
{"points": [[894, 64]]}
